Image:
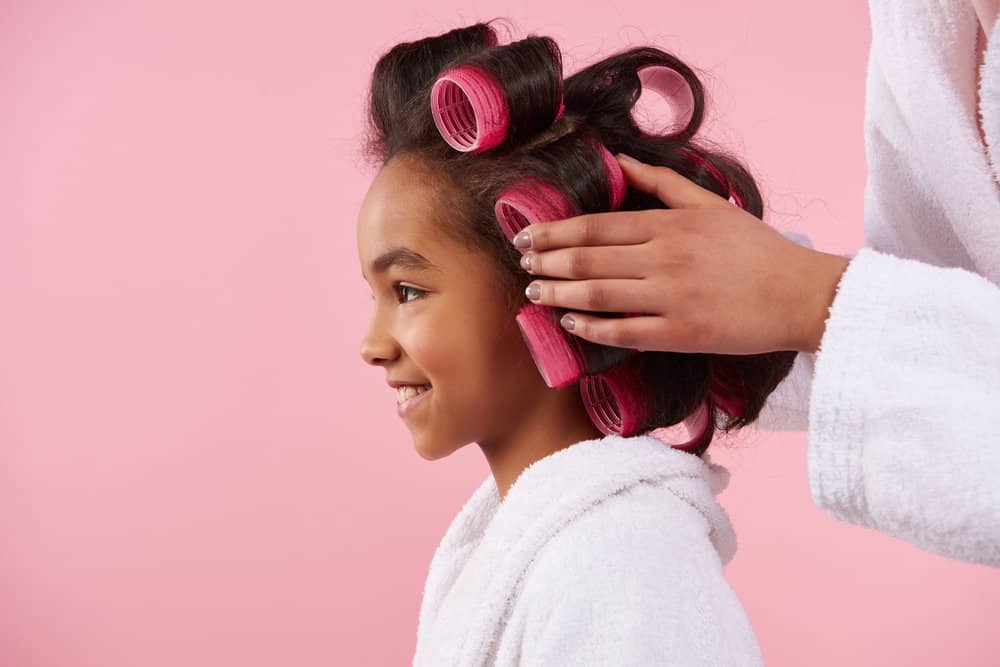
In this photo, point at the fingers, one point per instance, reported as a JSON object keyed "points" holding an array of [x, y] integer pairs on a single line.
{"points": [[639, 332], [577, 263], [593, 229], [621, 296], [668, 186]]}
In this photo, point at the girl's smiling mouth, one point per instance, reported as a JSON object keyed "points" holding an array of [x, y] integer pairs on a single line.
{"points": [[410, 397]]}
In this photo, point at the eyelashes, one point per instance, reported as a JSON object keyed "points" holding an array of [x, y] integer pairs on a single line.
{"points": [[399, 289]]}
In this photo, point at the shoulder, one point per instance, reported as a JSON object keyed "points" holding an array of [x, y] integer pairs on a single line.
{"points": [[644, 531], [637, 579]]}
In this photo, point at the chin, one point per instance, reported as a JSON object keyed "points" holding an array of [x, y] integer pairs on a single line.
{"points": [[432, 451]]}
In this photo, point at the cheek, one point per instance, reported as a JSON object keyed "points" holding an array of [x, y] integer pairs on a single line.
{"points": [[506, 357]]}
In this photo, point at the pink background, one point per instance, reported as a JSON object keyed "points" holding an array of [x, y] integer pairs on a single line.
{"points": [[196, 466]]}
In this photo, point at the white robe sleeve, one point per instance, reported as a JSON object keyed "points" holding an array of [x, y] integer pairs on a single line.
{"points": [[904, 411], [787, 408]]}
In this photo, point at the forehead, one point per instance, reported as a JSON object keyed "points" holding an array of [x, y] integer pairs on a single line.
{"points": [[399, 209]]}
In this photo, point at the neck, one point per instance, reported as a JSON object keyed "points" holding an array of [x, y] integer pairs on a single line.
{"points": [[555, 423]]}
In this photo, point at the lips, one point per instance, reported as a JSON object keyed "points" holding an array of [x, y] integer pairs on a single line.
{"points": [[407, 391], [405, 408]]}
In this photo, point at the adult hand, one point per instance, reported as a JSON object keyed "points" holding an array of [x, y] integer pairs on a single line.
{"points": [[706, 275]]}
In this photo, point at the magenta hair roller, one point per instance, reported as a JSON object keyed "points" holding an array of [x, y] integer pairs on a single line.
{"points": [[530, 201], [726, 389], [618, 405], [561, 357], [616, 179], [614, 399], [470, 109], [527, 202], [698, 422], [711, 168]]}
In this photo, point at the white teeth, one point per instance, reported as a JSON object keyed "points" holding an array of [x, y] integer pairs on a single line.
{"points": [[407, 392]]}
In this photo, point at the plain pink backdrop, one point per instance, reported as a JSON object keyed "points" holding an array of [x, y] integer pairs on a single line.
{"points": [[198, 469]]}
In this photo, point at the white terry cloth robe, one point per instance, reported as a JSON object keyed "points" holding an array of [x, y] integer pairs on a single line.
{"points": [[608, 552], [902, 399]]}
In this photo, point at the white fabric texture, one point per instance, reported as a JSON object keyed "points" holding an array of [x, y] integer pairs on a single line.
{"points": [[902, 400], [608, 552]]}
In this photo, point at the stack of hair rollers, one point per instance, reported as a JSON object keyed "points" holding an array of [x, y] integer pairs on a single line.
{"points": [[471, 113]]}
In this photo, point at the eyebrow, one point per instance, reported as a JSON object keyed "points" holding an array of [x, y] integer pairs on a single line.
{"points": [[404, 258]]}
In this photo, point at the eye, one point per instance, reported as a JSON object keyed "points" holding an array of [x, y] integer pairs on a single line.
{"points": [[401, 290]]}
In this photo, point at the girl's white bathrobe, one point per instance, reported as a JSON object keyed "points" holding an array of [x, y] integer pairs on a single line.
{"points": [[902, 399], [608, 552]]}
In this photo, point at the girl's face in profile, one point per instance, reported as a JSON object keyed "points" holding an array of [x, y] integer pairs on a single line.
{"points": [[439, 319]]}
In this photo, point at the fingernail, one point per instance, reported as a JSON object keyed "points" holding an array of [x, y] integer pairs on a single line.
{"points": [[628, 158], [533, 291], [567, 321], [522, 240], [526, 262]]}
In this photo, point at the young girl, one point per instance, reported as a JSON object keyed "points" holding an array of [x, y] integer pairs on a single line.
{"points": [[591, 542]]}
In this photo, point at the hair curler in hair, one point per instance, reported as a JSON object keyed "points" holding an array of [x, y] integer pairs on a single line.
{"points": [[712, 169], [527, 202], [618, 404], [560, 356], [673, 88], [470, 109], [614, 398], [725, 389], [530, 201]]}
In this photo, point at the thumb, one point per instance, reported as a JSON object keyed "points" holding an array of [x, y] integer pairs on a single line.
{"points": [[667, 185]]}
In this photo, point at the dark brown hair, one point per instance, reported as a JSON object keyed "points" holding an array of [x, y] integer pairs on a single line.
{"points": [[599, 102]]}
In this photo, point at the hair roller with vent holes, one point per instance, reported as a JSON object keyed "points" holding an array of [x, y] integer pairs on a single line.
{"points": [[609, 376], [469, 101], [561, 357], [673, 89], [618, 403]]}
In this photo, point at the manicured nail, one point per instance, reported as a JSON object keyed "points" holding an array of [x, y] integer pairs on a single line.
{"points": [[567, 321], [522, 240], [628, 158], [526, 262], [533, 291]]}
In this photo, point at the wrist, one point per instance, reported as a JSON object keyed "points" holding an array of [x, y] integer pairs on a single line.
{"points": [[826, 272]]}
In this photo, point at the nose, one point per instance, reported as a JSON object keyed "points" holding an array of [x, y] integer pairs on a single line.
{"points": [[377, 347]]}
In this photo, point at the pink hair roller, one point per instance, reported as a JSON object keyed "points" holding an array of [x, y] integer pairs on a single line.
{"points": [[614, 399], [698, 422], [617, 404], [726, 390], [527, 202], [530, 201], [561, 357], [671, 86], [470, 109], [711, 168]]}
